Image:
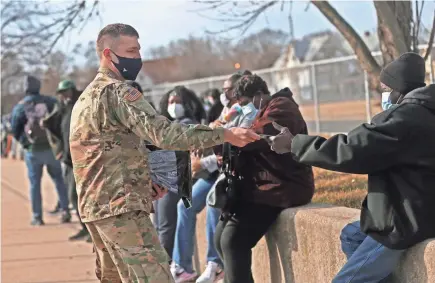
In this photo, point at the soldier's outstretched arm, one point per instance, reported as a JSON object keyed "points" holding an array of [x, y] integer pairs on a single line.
{"points": [[132, 110]]}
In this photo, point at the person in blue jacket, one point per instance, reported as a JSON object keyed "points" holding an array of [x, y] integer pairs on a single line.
{"points": [[27, 128]]}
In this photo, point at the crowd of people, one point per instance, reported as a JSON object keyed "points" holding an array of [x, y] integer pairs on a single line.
{"points": [[251, 158]]}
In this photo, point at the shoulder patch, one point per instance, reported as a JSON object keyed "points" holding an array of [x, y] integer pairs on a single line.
{"points": [[132, 94]]}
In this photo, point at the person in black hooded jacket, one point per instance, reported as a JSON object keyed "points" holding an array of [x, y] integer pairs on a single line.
{"points": [[396, 151], [57, 124]]}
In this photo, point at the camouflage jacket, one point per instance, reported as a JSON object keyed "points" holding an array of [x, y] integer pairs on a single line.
{"points": [[110, 164]]}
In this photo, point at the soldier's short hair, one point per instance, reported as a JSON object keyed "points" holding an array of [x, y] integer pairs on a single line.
{"points": [[113, 32]]}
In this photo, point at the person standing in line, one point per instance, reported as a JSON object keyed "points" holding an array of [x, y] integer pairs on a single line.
{"points": [[108, 124], [58, 125], [180, 106], [26, 127]]}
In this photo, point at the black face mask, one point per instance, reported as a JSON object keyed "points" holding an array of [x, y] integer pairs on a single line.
{"points": [[128, 67]]}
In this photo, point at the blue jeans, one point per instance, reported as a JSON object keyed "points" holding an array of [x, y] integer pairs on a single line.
{"points": [[367, 260], [35, 161], [184, 235]]}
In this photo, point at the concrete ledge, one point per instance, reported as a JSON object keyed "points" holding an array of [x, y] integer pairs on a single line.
{"points": [[303, 246]]}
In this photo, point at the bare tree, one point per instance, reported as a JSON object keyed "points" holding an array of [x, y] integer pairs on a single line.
{"points": [[29, 27], [30, 30], [209, 56], [398, 30]]}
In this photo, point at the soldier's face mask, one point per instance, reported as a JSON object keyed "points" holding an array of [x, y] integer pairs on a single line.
{"points": [[129, 68]]}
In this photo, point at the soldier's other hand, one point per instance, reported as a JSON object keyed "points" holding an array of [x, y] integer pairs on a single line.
{"points": [[282, 143], [216, 124], [240, 137], [158, 191]]}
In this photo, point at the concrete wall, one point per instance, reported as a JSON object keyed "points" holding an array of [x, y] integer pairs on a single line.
{"points": [[303, 246]]}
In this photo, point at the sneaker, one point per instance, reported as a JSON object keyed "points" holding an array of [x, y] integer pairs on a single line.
{"points": [[66, 217], [212, 273], [180, 275], [37, 222], [82, 234]]}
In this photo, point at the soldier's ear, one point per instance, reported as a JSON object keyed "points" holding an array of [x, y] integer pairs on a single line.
{"points": [[106, 53]]}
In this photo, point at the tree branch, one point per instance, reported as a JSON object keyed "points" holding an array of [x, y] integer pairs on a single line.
{"points": [[361, 50], [431, 40], [243, 19]]}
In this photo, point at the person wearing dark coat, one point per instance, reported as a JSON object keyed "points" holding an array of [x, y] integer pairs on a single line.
{"points": [[26, 128], [57, 124], [265, 187], [396, 151]]}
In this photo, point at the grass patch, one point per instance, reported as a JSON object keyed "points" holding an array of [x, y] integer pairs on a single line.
{"points": [[339, 188]]}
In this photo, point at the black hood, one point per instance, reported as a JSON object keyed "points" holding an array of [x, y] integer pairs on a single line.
{"points": [[285, 92], [33, 85], [424, 96]]}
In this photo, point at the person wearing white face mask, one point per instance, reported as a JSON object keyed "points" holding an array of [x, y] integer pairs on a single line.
{"points": [[176, 110], [180, 105]]}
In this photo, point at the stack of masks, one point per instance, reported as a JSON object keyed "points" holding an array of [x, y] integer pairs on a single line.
{"points": [[171, 170]]}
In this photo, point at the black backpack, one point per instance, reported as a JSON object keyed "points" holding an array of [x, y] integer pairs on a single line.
{"points": [[35, 111]]}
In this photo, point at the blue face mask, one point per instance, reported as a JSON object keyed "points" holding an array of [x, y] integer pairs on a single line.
{"points": [[386, 101]]}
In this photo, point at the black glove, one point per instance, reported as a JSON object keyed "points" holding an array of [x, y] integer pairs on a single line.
{"points": [[282, 143]]}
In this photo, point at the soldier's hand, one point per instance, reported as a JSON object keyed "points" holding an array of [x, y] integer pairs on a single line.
{"points": [[158, 192], [240, 137]]}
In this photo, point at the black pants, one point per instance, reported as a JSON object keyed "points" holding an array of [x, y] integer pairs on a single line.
{"points": [[68, 175], [235, 238]]}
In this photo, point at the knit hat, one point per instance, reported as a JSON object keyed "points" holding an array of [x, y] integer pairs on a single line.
{"points": [[404, 74], [33, 85]]}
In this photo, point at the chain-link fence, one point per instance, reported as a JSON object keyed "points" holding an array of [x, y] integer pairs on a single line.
{"points": [[333, 95]]}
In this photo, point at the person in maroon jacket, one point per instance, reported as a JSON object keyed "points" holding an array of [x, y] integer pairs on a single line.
{"points": [[270, 182]]}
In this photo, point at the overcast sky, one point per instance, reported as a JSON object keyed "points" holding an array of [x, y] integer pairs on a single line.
{"points": [[159, 22]]}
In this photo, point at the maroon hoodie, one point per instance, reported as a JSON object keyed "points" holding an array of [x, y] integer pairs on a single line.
{"points": [[270, 178]]}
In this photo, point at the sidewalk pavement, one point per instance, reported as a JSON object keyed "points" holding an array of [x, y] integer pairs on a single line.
{"points": [[38, 254]]}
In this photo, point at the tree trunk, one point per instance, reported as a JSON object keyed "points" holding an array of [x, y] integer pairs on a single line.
{"points": [[394, 28], [363, 53]]}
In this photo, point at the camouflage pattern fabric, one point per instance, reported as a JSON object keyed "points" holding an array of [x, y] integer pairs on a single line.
{"points": [[129, 250], [110, 165]]}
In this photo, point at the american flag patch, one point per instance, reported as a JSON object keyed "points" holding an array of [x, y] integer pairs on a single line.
{"points": [[132, 95]]}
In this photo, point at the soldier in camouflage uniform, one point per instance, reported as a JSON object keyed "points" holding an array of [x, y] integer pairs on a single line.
{"points": [[113, 181]]}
